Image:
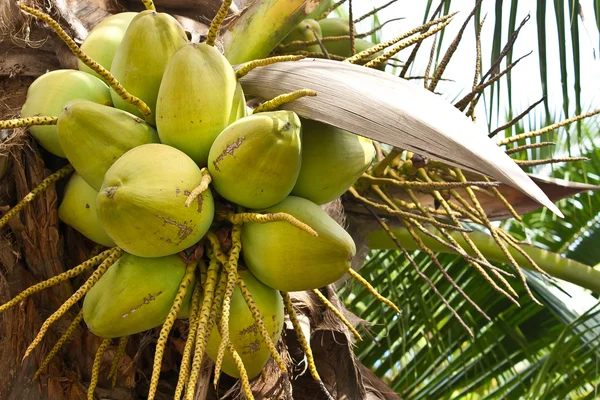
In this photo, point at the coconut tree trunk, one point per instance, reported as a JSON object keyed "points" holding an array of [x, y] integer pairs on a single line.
{"points": [[35, 246]]}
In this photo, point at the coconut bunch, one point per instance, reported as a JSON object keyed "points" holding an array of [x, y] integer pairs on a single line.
{"points": [[211, 210]]}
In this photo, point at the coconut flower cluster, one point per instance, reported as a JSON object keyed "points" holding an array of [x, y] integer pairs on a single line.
{"points": [[211, 209]]}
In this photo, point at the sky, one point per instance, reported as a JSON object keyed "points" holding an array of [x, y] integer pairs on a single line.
{"points": [[525, 76]]}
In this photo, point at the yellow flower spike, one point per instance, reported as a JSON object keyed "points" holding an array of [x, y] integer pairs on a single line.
{"points": [[204, 182], [96, 368], [110, 260], [337, 313], [186, 358], [241, 218], [61, 173], [372, 290], [97, 68], [213, 295], [274, 103], [167, 326], [287, 301], [216, 22], [28, 121], [260, 323], [92, 262], [243, 71], [149, 4], [114, 368], [231, 269], [65, 336]]}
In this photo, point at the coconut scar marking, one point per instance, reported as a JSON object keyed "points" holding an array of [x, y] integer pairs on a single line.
{"points": [[229, 150], [184, 230], [145, 300]]}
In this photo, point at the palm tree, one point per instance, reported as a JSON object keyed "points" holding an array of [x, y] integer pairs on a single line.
{"points": [[427, 351]]}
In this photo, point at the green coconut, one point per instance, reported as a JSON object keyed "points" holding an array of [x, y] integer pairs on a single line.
{"points": [[78, 210], [141, 204], [286, 258], [334, 27], [134, 295], [243, 332], [196, 100], [141, 58], [239, 109], [94, 136], [49, 93], [255, 161], [102, 42], [305, 31], [332, 160]]}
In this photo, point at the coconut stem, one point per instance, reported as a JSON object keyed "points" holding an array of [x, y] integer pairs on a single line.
{"points": [[240, 218], [216, 22], [167, 326], [243, 71], [337, 313], [65, 336], [96, 367], [99, 69], [149, 4], [377, 48], [231, 269], [204, 183], [287, 301], [274, 103], [205, 320], [27, 121], [110, 260], [260, 323], [61, 173], [92, 262], [114, 368]]}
